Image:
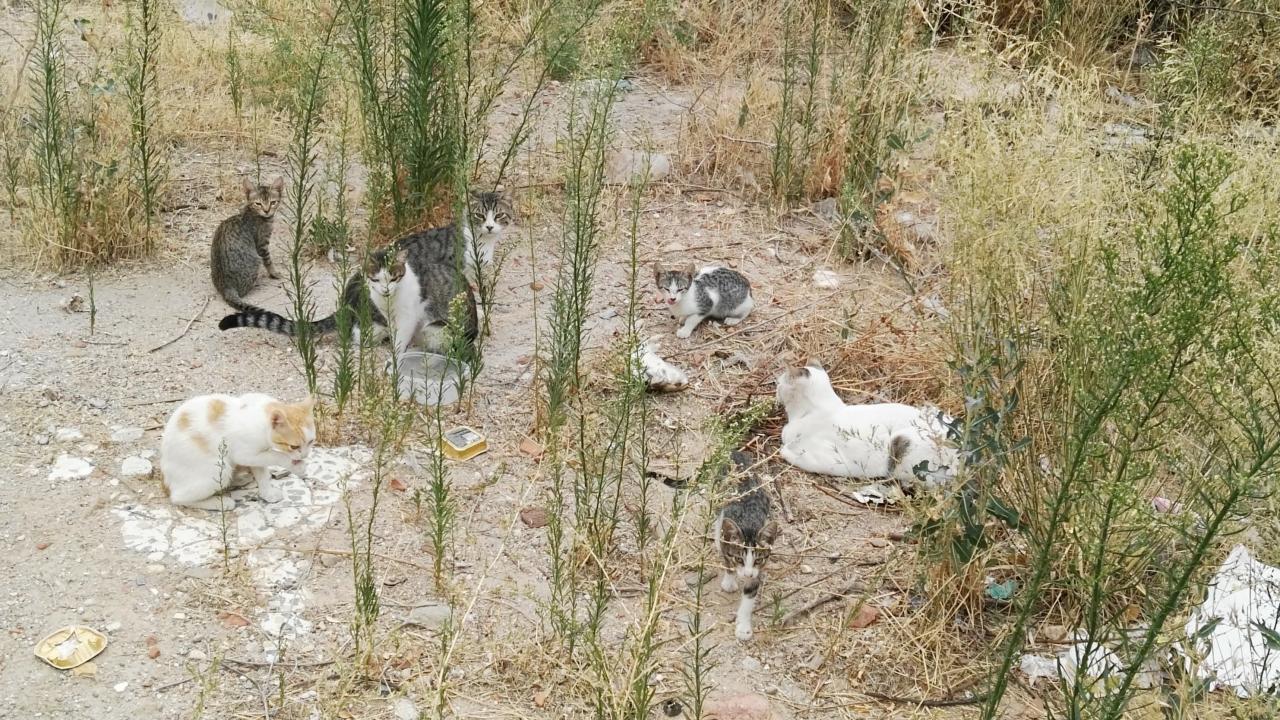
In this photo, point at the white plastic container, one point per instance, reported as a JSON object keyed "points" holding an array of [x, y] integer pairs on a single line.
{"points": [[427, 378]]}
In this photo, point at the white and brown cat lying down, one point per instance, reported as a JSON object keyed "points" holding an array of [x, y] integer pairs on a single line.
{"points": [[823, 435], [209, 438]]}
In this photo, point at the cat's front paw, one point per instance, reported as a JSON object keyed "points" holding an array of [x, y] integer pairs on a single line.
{"points": [[743, 632], [728, 584], [684, 333]]}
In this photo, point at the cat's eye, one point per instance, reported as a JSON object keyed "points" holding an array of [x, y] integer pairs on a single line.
{"points": [[295, 448], [503, 217]]}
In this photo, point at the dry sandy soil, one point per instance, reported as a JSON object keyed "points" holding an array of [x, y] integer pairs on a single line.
{"points": [[88, 544]]}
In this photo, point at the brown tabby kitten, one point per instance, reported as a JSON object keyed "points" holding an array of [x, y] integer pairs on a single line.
{"points": [[242, 243]]}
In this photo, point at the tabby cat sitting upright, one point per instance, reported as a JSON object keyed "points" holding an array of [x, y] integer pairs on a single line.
{"points": [[873, 441], [745, 531], [408, 286], [242, 244], [210, 439]]}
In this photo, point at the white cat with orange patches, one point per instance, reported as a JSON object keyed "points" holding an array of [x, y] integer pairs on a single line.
{"points": [[211, 437]]}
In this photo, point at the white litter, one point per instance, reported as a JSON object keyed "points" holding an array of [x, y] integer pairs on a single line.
{"points": [[1228, 632], [659, 374], [879, 494]]}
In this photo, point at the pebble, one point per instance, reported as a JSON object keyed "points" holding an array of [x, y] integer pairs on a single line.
{"points": [[42, 439], [197, 655], [432, 615], [806, 569], [153, 652], [126, 435], [405, 709], [751, 664], [748, 706], [826, 280], [70, 468], [121, 687], [632, 166], [112, 626], [98, 403], [879, 542], [68, 435], [135, 466]]}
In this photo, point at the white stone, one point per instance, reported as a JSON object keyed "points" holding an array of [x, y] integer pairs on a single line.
{"points": [[68, 435], [126, 435], [135, 466], [405, 709], [70, 468], [826, 280], [431, 615]]}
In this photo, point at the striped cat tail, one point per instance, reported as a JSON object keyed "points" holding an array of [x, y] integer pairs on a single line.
{"points": [[256, 317]]}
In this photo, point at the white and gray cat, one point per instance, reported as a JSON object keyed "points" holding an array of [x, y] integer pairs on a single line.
{"points": [[409, 285], [745, 531], [879, 440], [712, 292]]}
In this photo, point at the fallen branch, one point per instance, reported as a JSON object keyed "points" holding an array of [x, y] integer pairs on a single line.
{"points": [[186, 329], [857, 586]]}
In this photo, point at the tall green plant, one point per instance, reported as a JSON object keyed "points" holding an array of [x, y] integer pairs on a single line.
{"points": [[56, 159], [306, 114], [142, 84], [1160, 383]]}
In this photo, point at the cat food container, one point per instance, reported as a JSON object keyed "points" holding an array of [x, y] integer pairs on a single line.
{"points": [[463, 443], [71, 646], [427, 378]]}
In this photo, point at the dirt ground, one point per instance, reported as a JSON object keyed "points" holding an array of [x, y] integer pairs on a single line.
{"points": [[89, 542]]}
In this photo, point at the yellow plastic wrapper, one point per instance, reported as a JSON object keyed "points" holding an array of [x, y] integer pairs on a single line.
{"points": [[71, 646], [463, 443]]}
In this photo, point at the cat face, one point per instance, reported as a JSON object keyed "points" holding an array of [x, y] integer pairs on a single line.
{"points": [[490, 214], [801, 382], [673, 282], [293, 430], [385, 276], [263, 199], [747, 555]]}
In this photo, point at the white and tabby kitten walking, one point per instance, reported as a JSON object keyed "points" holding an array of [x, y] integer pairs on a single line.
{"points": [[209, 438], [745, 531], [873, 441], [712, 292]]}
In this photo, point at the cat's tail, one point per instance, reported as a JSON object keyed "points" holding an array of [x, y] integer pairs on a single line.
{"points": [[256, 317]]}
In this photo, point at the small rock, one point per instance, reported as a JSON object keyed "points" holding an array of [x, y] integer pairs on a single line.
{"points": [[197, 655], [748, 706], [826, 280], [120, 686], [534, 517], [751, 665], [42, 546], [433, 615], [112, 627], [632, 166], [41, 439], [828, 209], [535, 286], [72, 303], [879, 542], [404, 709], [151, 641], [531, 447], [1054, 633], [672, 707], [153, 652], [397, 484], [135, 467], [126, 435], [232, 620], [694, 580], [79, 344], [866, 615], [815, 661], [770, 689], [70, 468], [68, 435], [98, 403], [540, 697], [806, 569]]}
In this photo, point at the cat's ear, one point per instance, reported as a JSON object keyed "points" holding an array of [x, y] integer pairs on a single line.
{"points": [[690, 270], [277, 417], [813, 363], [769, 532], [247, 186], [277, 185], [308, 404], [730, 532], [657, 272]]}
